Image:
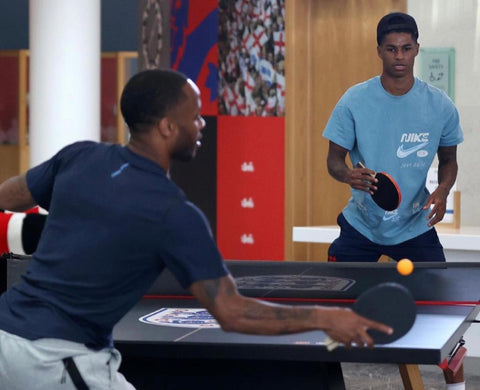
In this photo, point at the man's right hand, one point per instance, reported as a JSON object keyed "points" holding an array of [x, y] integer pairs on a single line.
{"points": [[347, 327], [362, 179]]}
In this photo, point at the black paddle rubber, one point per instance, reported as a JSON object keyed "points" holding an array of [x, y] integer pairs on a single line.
{"points": [[388, 195], [391, 304]]}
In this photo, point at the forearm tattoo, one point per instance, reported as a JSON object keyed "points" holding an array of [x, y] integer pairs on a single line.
{"points": [[211, 288], [279, 313]]}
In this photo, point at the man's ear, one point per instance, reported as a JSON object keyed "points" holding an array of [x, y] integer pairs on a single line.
{"points": [[418, 49], [166, 127]]}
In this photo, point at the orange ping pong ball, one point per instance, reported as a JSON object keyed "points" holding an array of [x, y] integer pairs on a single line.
{"points": [[405, 267]]}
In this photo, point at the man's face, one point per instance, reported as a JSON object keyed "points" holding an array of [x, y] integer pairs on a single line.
{"points": [[189, 124], [398, 52]]}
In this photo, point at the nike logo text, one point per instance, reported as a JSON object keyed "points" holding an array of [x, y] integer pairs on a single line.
{"points": [[414, 137]]}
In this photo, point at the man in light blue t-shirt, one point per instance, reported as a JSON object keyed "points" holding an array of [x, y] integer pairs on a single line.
{"points": [[394, 123]]}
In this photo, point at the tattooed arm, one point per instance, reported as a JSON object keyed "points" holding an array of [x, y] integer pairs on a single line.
{"points": [[237, 313], [15, 195]]}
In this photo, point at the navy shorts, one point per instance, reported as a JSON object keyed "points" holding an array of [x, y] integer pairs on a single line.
{"points": [[354, 247]]}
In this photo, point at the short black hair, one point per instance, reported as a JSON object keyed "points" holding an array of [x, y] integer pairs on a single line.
{"points": [[149, 95], [396, 22]]}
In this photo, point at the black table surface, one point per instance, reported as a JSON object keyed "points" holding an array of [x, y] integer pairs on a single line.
{"points": [[436, 287], [447, 296]]}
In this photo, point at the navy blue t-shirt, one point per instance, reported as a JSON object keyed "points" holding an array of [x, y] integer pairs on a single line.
{"points": [[115, 221]]}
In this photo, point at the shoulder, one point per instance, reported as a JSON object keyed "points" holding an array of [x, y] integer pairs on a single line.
{"points": [[360, 90], [185, 210], [185, 216], [82, 149], [77, 147], [80, 145], [432, 92]]}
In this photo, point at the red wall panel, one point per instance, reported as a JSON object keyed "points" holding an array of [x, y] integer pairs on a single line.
{"points": [[250, 187]]}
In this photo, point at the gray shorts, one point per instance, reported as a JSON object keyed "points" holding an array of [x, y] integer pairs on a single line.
{"points": [[37, 364]]}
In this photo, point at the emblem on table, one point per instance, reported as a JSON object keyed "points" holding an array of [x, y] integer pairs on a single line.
{"points": [[181, 318], [294, 282]]}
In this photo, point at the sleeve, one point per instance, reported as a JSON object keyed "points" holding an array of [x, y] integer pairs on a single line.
{"points": [[189, 250], [41, 178], [340, 127], [452, 133]]}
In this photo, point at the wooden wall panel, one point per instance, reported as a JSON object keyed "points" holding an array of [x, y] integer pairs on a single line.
{"points": [[331, 45], [14, 158], [298, 91], [9, 161]]}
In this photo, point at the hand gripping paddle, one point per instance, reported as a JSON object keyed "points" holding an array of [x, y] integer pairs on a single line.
{"points": [[389, 303], [388, 195]]}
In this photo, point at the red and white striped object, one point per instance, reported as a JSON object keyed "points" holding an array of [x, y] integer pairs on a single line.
{"points": [[20, 232]]}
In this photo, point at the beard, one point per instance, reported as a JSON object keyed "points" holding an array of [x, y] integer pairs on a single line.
{"points": [[186, 146], [185, 153]]}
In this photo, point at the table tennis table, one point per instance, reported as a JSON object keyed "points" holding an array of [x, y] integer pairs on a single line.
{"points": [[175, 357]]}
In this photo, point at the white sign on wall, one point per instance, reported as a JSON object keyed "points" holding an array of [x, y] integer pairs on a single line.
{"points": [[437, 67]]}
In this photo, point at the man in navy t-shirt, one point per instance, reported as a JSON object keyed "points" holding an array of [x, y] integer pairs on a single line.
{"points": [[115, 222]]}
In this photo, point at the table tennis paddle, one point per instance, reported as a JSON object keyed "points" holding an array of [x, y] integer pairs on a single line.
{"points": [[388, 195], [389, 303]]}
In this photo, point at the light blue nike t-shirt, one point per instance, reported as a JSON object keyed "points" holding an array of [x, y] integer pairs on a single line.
{"points": [[399, 135]]}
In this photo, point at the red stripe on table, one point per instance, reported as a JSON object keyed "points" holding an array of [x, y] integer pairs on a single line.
{"points": [[324, 300]]}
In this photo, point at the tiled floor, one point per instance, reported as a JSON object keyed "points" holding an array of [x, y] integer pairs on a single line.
{"points": [[387, 377]]}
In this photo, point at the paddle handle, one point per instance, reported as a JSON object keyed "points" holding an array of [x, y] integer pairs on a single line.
{"points": [[331, 344], [363, 166]]}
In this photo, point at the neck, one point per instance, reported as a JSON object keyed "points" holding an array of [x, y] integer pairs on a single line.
{"points": [[148, 148], [397, 86]]}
